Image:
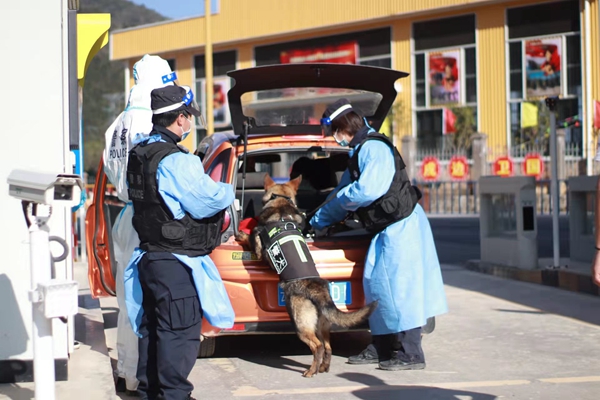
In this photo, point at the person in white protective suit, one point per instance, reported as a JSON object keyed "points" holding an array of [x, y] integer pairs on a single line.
{"points": [[135, 122]]}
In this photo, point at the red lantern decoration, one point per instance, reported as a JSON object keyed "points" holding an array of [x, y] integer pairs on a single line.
{"points": [[503, 166], [458, 168], [430, 169], [533, 165]]}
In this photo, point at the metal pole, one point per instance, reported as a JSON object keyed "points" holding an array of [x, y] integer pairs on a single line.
{"points": [[43, 348], [551, 103], [208, 67]]}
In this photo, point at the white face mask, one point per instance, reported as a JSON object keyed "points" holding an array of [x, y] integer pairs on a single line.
{"points": [[184, 134]]}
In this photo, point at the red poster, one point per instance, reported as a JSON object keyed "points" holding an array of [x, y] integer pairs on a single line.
{"points": [[458, 167], [444, 73], [533, 165], [430, 169], [503, 166], [346, 53]]}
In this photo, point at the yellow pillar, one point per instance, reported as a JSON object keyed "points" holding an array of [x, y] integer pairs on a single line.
{"points": [[491, 77], [595, 47], [245, 56], [208, 62], [594, 64], [401, 34]]}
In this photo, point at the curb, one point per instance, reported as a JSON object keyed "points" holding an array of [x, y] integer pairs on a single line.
{"points": [[558, 278]]}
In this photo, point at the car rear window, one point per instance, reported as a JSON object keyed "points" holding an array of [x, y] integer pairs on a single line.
{"points": [[321, 172], [302, 106]]}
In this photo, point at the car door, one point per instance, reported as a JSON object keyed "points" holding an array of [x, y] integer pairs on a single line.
{"points": [[99, 218]]}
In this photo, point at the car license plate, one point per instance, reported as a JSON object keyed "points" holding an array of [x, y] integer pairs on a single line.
{"points": [[340, 293]]}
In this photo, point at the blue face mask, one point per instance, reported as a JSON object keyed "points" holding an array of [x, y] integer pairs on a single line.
{"points": [[343, 142], [185, 134]]}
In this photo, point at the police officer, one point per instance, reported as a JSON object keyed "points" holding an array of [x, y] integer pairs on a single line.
{"points": [[401, 269], [149, 73], [170, 282]]}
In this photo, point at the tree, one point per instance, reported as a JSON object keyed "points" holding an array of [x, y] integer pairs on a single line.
{"points": [[465, 126]]}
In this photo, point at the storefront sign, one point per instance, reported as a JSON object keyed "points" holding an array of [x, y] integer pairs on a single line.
{"points": [[345, 53], [458, 168], [543, 65], [533, 165], [503, 166], [444, 85], [430, 169]]}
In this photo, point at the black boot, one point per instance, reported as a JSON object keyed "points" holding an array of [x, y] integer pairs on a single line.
{"points": [[402, 362], [367, 356], [410, 353]]}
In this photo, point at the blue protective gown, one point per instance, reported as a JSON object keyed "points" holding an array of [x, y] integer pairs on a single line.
{"points": [[401, 270], [184, 186]]}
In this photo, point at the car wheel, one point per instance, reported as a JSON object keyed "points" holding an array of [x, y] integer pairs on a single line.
{"points": [[429, 326], [207, 346]]}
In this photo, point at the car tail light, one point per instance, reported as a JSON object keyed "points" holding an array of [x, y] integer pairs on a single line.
{"points": [[237, 328], [226, 221]]}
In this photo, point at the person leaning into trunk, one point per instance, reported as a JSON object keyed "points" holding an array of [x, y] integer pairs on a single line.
{"points": [[401, 269], [171, 282]]}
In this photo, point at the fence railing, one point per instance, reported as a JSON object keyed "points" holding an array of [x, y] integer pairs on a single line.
{"points": [[462, 197]]}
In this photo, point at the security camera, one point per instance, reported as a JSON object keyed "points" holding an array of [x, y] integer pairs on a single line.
{"points": [[45, 188]]}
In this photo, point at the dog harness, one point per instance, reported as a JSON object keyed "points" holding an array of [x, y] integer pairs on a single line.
{"points": [[287, 250]]}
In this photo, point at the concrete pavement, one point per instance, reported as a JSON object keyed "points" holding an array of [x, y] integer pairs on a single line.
{"points": [[501, 339]]}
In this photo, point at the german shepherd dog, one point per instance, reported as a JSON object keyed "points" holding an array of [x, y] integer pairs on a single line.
{"points": [[307, 300]]}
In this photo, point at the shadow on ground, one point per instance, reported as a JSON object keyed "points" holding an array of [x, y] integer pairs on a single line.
{"points": [[379, 390], [273, 350]]}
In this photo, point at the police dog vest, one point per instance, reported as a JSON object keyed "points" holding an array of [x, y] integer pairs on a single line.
{"points": [[287, 251]]}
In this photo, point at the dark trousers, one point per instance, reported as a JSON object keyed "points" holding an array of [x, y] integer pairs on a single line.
{"points": [[406, 343], [170, 328]]}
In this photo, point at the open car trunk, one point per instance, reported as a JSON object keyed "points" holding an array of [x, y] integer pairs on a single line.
{"points": [[321, 173]]}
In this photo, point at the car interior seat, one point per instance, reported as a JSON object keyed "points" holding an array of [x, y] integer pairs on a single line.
{"points": [[254, 189]]}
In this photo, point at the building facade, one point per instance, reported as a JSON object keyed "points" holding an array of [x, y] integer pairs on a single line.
{"points": [[475, 65]]}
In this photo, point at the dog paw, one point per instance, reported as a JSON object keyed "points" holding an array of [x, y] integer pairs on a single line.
{"points": [[324, 368], [308, 374]]}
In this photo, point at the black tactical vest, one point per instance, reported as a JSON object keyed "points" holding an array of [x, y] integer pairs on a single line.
{"points": [[287, 251], [399, 201], [152, 219]]}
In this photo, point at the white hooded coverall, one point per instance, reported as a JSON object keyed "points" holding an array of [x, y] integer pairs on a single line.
{"points": [[150, 73]]}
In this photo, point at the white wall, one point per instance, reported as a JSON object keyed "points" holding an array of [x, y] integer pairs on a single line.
{"points": [[34, 135]]}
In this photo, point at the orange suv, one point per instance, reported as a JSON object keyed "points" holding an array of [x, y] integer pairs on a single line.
{"points": [[275, 115]]}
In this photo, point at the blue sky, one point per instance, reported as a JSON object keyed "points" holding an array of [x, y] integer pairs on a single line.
{"points": [[178, 8]]}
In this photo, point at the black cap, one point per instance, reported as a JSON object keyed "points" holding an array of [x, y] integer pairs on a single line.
{"points": [[337, 109], [173, 98]]}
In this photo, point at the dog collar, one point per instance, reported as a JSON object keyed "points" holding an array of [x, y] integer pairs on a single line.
{"points": [[289, 199]]}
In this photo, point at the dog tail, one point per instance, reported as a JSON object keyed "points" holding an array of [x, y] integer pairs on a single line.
{"points": [[341, 318]]}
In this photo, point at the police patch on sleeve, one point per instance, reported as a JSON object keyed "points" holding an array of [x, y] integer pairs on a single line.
{"points": [[277, 257]]}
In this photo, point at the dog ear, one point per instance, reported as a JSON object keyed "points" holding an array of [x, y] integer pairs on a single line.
{"points": [[295, 183], [269, 183]]}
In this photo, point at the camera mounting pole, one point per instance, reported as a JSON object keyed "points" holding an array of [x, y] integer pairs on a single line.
{"points": [[43, 346], [554, 196], [50, 298]]}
